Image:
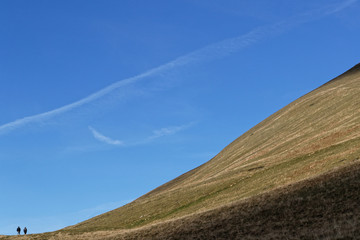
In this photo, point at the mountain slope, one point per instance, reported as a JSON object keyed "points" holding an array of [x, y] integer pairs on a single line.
{"points": [[313, 135], [310, 136], [324, 207]]}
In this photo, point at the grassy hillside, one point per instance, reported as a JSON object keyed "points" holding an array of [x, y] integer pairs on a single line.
{"points": [[310, 136], [324, 207], [313, 135]]}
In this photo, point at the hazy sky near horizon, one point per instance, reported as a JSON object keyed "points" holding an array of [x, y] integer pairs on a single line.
{"points": [[103, 101]]}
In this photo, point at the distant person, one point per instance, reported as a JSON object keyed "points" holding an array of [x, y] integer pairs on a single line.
{"points": [[25, 230], [18, 230]]}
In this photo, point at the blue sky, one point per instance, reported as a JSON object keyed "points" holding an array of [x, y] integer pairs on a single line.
{"points": [[102, 101]]}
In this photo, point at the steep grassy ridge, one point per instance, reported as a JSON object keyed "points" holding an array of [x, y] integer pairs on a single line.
{"points": [[310, 136], [313, 135]]}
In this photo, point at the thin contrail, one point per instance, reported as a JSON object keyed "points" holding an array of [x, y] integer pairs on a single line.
{"points": [[213, 51]]}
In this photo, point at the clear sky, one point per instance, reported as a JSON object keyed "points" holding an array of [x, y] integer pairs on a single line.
{"points": [[103, 101]]}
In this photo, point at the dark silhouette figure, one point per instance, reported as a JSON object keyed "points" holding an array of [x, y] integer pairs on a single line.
{"points": [[25, 230], [18, 230]]}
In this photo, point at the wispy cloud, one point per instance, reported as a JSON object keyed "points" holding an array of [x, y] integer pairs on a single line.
{"points": [[338, 7], [216, 50], [105, 139], [158, 133], [168, 131]]}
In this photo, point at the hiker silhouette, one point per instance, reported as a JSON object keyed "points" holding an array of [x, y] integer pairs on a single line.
{"points": [[18, 230], [25, 230]]}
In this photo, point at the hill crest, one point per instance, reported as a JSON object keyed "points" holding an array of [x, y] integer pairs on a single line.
{"points": [[310, 136]]}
